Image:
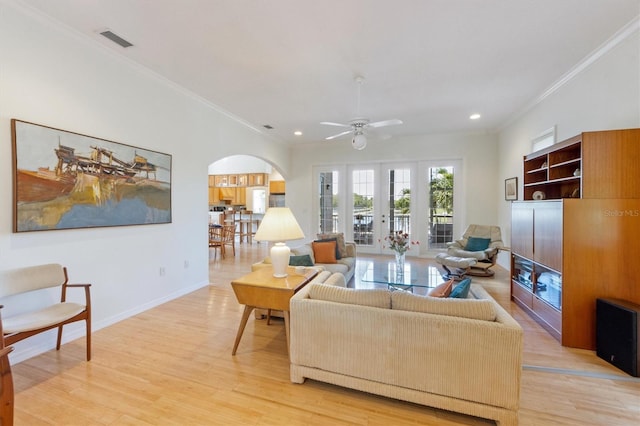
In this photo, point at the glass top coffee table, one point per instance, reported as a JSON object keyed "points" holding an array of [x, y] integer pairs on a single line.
{"points": [[414, 278]]}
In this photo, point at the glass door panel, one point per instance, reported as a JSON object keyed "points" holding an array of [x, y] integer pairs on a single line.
{"points": [[364, 195], [398, 194], [329, 201], [440, 189]]}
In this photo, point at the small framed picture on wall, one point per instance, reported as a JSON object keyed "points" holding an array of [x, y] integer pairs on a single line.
{"points": [[511, 189]]}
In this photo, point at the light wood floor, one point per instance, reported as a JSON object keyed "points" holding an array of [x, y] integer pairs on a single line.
{"points": [[172, 365]]}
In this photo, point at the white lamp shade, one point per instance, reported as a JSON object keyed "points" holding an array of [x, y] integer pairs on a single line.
{"points": [[279, 225]]}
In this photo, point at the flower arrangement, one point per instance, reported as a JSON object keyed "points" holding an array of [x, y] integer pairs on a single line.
{"points": [[399, 242]]}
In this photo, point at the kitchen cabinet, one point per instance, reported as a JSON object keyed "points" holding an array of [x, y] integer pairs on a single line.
{"points": [[238, 180], [277, 187], [233, 196]]}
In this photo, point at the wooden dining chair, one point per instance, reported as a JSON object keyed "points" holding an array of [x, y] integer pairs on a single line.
{"points": [[228, 238], [216, 239]]}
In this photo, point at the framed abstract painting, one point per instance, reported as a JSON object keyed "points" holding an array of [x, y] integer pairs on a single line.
{"points": [[66, 180]]}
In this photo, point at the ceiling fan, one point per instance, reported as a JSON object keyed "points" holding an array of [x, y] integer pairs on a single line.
{"points": [[358, 126]]}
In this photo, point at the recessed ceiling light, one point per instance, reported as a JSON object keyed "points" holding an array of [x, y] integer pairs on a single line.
{"points": [[474, 116], [297, 133]]}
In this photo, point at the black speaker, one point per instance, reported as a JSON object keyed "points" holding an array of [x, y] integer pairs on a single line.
{"points": [[617, 325]]}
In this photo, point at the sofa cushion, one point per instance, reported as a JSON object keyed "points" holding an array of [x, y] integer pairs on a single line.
{"points": [[302, 250], [376, 298], [480, 309], [339, 236], [338, 256], [349, 262], [324, 252], [302, 260], [461, 291], [442, 290], [477, 244]]}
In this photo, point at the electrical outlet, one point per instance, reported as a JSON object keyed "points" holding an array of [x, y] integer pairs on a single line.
{"points": [[162, 271], [186, 264]]}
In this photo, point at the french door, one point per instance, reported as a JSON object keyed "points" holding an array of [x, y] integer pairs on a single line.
{"points": [[380, 203], [371, 201]]}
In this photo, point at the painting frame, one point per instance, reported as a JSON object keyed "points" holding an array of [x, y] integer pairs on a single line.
{"points": [[68, 180], [511, 189]]}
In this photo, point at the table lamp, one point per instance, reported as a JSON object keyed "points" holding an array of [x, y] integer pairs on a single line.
{"points": [[279, 225]]}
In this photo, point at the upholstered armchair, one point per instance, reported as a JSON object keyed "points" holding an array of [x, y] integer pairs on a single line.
{"points": [[480, 243]]}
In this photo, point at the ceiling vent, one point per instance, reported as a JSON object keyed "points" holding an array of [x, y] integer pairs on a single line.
{"points": [[116, 38]]}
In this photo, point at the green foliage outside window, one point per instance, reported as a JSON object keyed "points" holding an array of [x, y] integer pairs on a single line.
{"points": [[442, 191]]}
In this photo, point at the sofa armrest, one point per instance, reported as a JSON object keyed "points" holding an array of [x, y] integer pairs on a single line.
{"points": [[351, 249]]}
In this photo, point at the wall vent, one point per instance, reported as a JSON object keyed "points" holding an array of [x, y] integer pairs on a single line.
{"points": [[116, 38]]}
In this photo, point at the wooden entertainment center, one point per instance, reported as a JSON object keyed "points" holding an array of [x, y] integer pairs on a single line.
{"points": [[576, 235]]}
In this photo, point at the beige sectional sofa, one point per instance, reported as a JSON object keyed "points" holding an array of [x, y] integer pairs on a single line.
{"points": [[462, 355], [346, 266]]}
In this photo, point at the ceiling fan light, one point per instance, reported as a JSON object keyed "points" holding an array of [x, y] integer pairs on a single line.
{"points": [[359, 141]]}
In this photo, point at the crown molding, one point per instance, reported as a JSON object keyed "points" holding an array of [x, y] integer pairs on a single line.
{"points": [[621, 35]]}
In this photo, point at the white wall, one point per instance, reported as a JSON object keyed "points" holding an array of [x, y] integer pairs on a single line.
{"points": [[604, 96], [53, 77], [239, 164], [478, 153]]}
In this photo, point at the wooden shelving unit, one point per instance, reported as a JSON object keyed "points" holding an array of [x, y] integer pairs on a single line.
{"points": [[555, 173], [581, 243]]}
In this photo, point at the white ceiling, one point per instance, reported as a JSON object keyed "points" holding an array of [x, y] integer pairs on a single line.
{"points": [[292, 63]]}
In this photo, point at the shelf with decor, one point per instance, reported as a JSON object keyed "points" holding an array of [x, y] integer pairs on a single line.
{"points": [[554, 172], [579, 243]]}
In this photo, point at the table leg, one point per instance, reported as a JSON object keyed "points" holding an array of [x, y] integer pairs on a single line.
{"points": [[243, 323]]}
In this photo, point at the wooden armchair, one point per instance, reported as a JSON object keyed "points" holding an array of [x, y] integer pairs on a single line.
{"points": [[6, 384], [26, 324]]}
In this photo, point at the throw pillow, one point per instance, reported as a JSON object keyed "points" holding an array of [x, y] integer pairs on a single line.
{"points": [[477, 244], [442, 290], [324, 252], [303, 249], [339, 236], [304, 260], [338, 256], [461, 291]]}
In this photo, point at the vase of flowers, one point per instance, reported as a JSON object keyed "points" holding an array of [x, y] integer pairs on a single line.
{"points": [[399, 242], [400, 263]]}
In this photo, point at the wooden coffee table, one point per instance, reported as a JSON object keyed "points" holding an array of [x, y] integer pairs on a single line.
{"points": [[260, 289]]}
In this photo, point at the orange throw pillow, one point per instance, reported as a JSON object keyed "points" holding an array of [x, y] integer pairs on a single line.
{"points": [[324, 252], [442, 290]]}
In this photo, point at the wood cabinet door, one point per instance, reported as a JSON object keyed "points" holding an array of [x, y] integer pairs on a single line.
{"points": [[241, 196], [277, 187], [227, 194], [522, 229], [547, 235], [214, 195]]}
